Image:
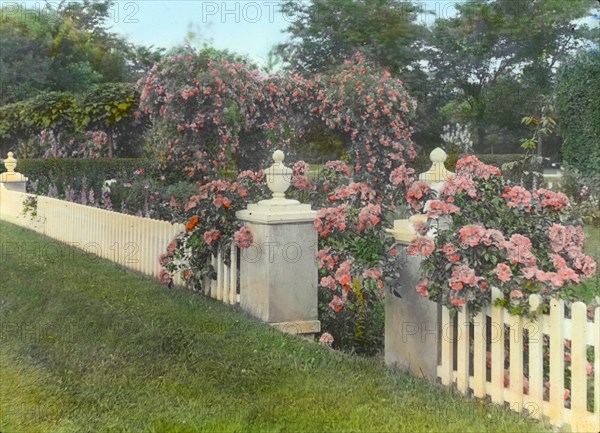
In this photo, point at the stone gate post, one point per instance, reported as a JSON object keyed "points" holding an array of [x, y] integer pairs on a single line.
{"points": [[278, 272]]}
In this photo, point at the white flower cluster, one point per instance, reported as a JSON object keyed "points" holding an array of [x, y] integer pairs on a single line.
{"points": [[107, 184], [458, 135]]}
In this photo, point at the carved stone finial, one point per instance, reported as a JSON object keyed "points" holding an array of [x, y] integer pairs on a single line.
{"points": [[10, 163], [438, 172], [278, 176], [11, 175]]}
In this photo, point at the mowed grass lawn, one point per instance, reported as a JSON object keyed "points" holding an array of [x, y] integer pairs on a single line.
{"points": [[89, 347]]}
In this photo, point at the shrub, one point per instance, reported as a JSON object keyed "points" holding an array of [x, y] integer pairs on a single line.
{"points": [[577, 96], [43, 174], [492, 234], [497, 160], [220, 118]]}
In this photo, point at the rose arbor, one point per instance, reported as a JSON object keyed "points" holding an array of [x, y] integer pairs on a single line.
{"points": [[278, 273]]}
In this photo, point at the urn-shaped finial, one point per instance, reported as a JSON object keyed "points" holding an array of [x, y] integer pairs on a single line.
{"points": [[278, 176], [10, 163], [11, 175]]}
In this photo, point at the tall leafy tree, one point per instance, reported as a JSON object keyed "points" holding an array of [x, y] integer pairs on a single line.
{"points": [[324, 33], [502, 47], [113, 108], [66, 47]]}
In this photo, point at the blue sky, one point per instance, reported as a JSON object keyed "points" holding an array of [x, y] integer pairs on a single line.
{"points": [[250, 27], [246, 26]]}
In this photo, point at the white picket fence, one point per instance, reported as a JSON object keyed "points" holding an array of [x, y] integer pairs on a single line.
{"points": [[133, 242], [463, 360], [226, 287]]}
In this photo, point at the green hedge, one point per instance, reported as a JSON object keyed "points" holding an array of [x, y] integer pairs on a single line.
{"points": [[423, 163], [499, 159], [578, 116], [71, 172]]}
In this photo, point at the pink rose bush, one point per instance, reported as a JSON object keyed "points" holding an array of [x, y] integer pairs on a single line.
{"points": [[211, 226], [499, 235], [219, 119]]}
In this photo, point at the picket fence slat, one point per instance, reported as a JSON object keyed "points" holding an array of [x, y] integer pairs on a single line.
{"points": [[479, 355], [557, 362], [462, 355], [578, 363], [233, 275], [536, 357], [446, 369], [497, 350], [220, 275], [516, 362]]}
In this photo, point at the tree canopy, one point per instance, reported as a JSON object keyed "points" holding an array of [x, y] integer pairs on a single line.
{"points": [[64, 47]]}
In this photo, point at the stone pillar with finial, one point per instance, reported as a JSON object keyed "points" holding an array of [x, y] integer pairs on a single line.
{"points": [[10, 179], [411, 322], [12, 192], [278, 273]]}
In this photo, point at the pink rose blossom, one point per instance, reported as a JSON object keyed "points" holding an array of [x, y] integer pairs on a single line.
{"points": [[402, 176], [421, 245], [422, 287], [516, 294], [517, 196], [529, 272], [503, 272], [328, 282], [243, 237], [164, 277], [550, 199], [339, 167], [211, 236], [471, 234], [437, 208], [326, 339], [373, 273], [337, 304]]}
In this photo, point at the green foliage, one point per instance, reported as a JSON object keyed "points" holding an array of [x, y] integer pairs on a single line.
{"points": [[54, 110], [498, 160], [63, 172], [107, 105], [577, 99], [30, 206], [65, 47], [111, 108], [324, 33], [497, 56], [321, 144]]}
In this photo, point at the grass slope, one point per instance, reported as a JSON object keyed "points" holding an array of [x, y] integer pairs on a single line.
{"points": [[88, 347]]}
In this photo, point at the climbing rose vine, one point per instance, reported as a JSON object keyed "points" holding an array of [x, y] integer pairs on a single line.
{"points": [[221, 119]]}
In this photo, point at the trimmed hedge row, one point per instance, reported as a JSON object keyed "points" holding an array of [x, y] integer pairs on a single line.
{"points": [[64, 172], [423, 163], [498, 159]]}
